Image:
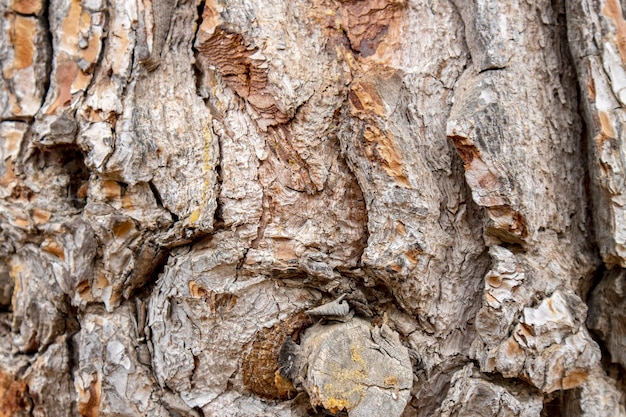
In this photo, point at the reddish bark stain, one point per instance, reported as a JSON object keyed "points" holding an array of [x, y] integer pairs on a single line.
{"points": [[13, 395], [574, 379], [89, 401], [66, 73], [26, 6], [22, 35], [613, 10]]}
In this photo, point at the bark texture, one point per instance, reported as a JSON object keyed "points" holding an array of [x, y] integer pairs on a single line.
{"points": [[292, 208]]}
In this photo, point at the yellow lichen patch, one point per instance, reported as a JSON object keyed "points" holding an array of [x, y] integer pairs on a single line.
{"points": [[391, 380], [194, 216], [41, 216], [351, 375], [344, 395], [334, 405], [51, 246], [347, 389], [355, 354]]}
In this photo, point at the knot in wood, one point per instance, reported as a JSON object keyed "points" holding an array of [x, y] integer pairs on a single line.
{"points": [[356, 367]]}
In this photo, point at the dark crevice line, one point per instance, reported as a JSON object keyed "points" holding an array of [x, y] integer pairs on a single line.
{"points": [[45, 20], [196, 70]]}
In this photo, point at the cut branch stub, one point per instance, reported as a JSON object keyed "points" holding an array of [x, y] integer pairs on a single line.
{"points": [[356, 367]]}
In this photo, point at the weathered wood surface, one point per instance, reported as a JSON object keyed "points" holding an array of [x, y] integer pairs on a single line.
{"points": [[289, 208]]}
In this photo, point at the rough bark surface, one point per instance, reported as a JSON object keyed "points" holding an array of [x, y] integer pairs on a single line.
{"points": [[293, 208]]}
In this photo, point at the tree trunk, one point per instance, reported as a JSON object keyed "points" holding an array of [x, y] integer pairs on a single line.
{"points": [[293, 208]]}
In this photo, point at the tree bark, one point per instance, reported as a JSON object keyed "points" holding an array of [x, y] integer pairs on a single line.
{"points": [[291, 208]]}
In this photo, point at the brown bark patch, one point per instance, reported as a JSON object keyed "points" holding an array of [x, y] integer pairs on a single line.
{"points": [[89, 400], [13, 395], [51, 246], [22, 36], [41, 216], [380, 147], [8, 177], [111, 189], [244, 72], [370, 102], [613, 10], [66, 73], [218, 302], [367, 22], [509, 225], [210, 17], [606, 127], [465, 151], [574, 379], [123, 228], [27, 6], [364, 96], [260, 364], [299, 178], [78, 22]]}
